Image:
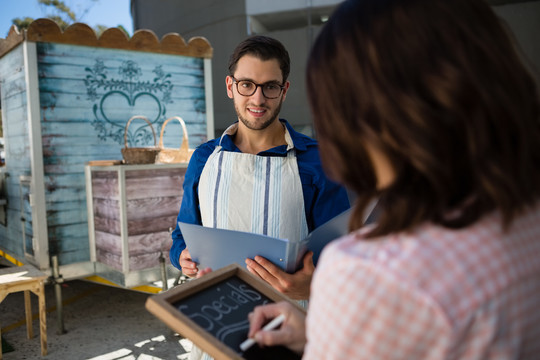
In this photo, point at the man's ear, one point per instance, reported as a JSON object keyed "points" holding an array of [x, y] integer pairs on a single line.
{"points": [[229, 83], [285, 89]]}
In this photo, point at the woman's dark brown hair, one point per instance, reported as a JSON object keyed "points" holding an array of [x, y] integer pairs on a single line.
{"points": [[438, 87]]}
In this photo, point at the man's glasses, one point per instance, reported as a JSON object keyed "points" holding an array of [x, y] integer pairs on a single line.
{"points": [[270, 90]]}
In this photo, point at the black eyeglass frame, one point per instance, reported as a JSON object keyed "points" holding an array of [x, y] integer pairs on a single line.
{"points": [[281, 87]]}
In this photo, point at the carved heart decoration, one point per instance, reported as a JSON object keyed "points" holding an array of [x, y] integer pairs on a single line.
{"points": [[126, 97], [116, 107]]}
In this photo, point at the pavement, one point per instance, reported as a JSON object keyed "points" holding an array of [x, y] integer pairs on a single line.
{"points": [[100, 322]]}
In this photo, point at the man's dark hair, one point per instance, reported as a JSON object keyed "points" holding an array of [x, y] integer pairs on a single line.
{"points": [[264, 48]]}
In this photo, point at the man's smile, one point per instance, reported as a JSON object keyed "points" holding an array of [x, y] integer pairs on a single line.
{"points": [[256, 112]]}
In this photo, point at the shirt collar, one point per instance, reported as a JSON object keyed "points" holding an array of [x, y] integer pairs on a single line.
{"points": [[293, 139]]}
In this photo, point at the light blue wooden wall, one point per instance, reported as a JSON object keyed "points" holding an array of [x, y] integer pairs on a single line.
{"points": [[86, 96], [17, 148]]}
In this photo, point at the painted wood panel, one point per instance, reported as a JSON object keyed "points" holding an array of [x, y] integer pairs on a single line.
{"points": [[17, 234], [66, 216], [152, 200], [110, 86], [136, 262], [25, 220], [139, 244]]}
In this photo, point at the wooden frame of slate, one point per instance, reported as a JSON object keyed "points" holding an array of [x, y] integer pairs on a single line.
{"points": [[212, 311], [66, 97]]}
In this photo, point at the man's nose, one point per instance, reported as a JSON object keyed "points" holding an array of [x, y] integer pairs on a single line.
{"points": [[258, 95]]}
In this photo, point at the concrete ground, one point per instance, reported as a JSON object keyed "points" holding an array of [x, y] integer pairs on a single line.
{"points": [[101, 322]]}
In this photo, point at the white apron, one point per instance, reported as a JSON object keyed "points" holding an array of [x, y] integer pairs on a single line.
{"points": [[252, 193]]}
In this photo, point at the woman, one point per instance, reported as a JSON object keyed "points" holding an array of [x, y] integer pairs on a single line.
{"points": [[425, 105]]}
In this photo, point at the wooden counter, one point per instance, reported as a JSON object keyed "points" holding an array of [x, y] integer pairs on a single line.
{"points": [[131, 211]]}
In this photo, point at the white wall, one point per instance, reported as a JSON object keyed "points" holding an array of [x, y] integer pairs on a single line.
{"points": [[254, 7]]}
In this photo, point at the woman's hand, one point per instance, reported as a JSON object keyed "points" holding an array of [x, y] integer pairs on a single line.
{"points": [[292, 332], [203, 272]]}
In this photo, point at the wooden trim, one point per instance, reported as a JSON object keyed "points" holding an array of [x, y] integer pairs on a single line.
{"points": [[46, 30], [209, 94], [37, 188], [13, 39], [90, 213], [124, 234]]}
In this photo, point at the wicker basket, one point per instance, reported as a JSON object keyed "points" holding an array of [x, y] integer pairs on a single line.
{"points": [[139, 155], [170, 155]]}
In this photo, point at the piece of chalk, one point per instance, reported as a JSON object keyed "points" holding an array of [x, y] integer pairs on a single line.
{"points": [[277, 321]]}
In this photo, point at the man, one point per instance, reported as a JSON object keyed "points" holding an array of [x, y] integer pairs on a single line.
{"points": [[261, 176]]}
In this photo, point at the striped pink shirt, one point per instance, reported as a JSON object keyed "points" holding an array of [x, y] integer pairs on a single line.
{"points": [[430, 294]]}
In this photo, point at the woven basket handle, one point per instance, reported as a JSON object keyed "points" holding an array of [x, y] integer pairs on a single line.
{"points": [[184, 146], [129, 122]]}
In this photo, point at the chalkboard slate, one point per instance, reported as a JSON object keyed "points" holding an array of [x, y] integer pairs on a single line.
{"points": [[223, 309], [213, 312]]}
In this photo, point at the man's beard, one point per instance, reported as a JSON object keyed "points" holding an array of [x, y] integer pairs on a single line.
{"points": [[255, 125]]}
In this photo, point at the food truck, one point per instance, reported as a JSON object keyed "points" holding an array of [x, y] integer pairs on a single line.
{"points": [[67, 192]]}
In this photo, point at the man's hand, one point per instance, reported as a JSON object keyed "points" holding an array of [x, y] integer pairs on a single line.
{"points": [[189, 268], [292, 332], [296, 286]]}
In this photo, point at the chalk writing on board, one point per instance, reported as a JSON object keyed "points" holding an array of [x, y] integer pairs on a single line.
{"points": [[223, 309]]}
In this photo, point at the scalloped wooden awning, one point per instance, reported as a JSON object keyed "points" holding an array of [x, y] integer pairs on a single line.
{"points": [[46, 30]]}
